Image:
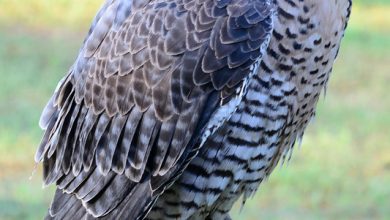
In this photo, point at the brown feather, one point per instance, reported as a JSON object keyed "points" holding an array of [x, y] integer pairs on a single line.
{"points": [[86, 129], [94, 138], [122, 150], [131, 103], [105, 151]]}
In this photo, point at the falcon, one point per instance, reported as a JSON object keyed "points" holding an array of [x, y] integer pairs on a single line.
{"points": [[174, 109]]}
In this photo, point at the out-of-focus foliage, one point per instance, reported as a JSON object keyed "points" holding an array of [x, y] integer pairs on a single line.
{"points": [[342, 170], [75, 14]]}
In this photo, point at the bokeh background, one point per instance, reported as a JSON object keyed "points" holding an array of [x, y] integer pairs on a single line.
{"points": [[342, 170]]}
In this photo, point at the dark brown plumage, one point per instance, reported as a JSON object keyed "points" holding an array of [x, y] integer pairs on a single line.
{"points": [[175, 103]]}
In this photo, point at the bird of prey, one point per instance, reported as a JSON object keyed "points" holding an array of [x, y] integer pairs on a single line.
{"points": [[174, 109]]}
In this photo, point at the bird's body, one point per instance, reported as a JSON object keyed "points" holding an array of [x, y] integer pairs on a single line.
{"points": [[280, 101], [174, 109]]}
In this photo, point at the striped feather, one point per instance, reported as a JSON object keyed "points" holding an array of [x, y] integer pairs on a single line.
{"points": [[68, 146], [64, 181], [81, 143], [165, 136], [110, 196], [147, 126], [50, 174], [122, 150], [99, 132], [105, 151], [89, 184], [74, 143], [58, 129], [45, 142], [77, 182]]}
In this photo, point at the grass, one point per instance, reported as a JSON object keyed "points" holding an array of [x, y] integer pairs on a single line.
{"points": [[47, 13], [30, 66], [342, 170]]}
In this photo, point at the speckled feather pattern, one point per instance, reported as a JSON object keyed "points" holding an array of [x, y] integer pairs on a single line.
{"points": [[174, 109], [280, 102]]}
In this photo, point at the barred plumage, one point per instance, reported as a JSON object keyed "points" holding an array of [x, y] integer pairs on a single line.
{"points": [[175, 108]]}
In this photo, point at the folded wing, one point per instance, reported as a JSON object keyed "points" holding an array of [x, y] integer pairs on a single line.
{"points": [[148, 79]]}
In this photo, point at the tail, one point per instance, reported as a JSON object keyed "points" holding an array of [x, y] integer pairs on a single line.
{"points": [[113, 198]]}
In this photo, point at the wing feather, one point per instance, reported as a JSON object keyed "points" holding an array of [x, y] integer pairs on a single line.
{"points": [[123, 147], [81, 142], [66, 150], [145, 140], [77, 135], [129, 116], [71, 184], [59, 202], [88, 184], [50, 174], [105, 151], [94, 139]]}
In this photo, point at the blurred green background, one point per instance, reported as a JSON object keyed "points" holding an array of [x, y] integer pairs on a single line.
{"points": [[342, 170]]}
